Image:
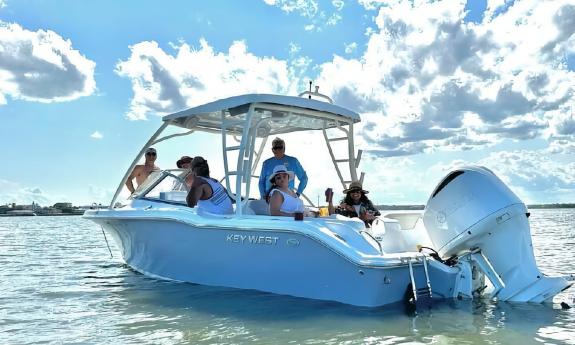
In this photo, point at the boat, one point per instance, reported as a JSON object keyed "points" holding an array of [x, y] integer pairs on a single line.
{"points": [[19, 213], [472, 239]]}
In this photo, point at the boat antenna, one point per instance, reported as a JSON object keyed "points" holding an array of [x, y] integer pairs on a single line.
{"points": [[315, 93]]}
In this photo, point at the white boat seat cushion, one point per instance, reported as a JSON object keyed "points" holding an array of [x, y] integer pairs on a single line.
{"points": [[259, 207]]}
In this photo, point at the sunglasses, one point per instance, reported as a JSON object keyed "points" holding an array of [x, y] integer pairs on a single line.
{"points": [[277, 148], [150, 153], [280, 176]]}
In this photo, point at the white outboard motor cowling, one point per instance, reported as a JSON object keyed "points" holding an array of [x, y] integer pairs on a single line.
{"points": [[472, 212]]}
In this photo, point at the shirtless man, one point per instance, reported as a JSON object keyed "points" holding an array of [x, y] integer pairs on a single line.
{"points": [[142, 171]]}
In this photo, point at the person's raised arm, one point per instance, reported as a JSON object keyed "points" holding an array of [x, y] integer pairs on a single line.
{"points": [[329, 199]]}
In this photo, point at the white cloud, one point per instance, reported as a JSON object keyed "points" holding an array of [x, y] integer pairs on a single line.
{"points": [[310, 9], [426, 74], [338, 4], [42, 66], [333, 19], [561, 146], [96, 135], [350, 48], [294, 48], [396, 180], [12, 192], [305, 8], [375, 4], [164, 83], [496, 7], [533, 175], [100, 195]]}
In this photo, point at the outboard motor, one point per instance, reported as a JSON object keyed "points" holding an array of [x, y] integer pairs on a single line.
{"points": [[473, 213]]}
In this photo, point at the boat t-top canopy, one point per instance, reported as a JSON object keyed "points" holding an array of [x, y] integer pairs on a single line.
{"points": [[283, 114], [240, 120]]}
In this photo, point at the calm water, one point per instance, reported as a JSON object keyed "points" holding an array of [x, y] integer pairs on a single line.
{"points": [[58, 284]]}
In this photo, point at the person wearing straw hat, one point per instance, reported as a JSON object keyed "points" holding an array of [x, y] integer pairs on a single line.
{"points": [[283, 200], [355, 204]]}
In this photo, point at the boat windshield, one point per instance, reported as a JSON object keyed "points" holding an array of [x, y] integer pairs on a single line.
{"points": [[164, 185]]}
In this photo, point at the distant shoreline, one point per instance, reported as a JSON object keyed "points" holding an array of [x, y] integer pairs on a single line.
{"points": [[379, 207], [551, 206], [40, 215]]}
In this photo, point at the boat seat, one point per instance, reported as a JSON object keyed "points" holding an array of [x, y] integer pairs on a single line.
{"points": [[259, 207]]}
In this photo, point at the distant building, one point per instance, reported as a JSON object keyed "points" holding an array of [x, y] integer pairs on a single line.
{"points": [[50, 211], [63, 205]]}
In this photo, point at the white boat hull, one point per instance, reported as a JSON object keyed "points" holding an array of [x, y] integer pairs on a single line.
{"points": [[277, 260]]}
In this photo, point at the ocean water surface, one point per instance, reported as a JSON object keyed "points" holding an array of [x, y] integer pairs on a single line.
{"points": [[59, 285]]}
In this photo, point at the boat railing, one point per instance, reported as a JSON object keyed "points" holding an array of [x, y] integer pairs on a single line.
{"points": [[315, 93], [363, 232]]}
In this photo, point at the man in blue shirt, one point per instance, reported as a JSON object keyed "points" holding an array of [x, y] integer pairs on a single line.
{"points": [[280, 158]]}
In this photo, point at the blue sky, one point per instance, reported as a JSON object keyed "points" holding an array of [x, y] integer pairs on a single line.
{"points": [[439, 84]]}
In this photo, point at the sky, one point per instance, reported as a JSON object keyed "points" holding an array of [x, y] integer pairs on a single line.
{"points": [[438, 85]]}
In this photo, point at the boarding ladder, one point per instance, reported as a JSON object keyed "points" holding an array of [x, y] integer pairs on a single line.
{"points": [[421, 293]]}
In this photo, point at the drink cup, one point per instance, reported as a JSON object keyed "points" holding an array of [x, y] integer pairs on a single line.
{"points": [[328, 194], [323, 212]]}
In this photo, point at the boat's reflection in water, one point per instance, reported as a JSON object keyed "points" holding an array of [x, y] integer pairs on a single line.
{"points": [[196, 313]]}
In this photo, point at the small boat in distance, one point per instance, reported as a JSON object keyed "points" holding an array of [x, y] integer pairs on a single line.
{"points": [[478, 227], [19, 213]]}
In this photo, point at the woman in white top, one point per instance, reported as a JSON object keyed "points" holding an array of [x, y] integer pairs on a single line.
{"points": [[283, 201]]}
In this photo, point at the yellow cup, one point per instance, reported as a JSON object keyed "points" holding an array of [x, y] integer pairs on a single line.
{"points": [[323, 212]]}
